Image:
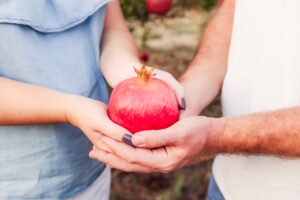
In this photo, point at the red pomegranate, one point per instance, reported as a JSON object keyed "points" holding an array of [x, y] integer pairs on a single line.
{"points": [[143, 103], [160, 7], [144, 56]]}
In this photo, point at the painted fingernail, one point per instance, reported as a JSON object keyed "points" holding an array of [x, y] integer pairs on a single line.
{"points": [[183, 103], [139, 141], [127, 139]]}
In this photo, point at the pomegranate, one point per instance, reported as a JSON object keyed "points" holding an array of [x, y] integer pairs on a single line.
{"points": [[160, 7], [143, 103], [144, 56]]}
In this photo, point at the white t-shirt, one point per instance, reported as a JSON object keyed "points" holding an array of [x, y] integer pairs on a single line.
{"points": [[263, 75]]}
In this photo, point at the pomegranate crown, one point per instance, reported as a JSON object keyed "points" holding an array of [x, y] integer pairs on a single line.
{"points": [[144, 73]]}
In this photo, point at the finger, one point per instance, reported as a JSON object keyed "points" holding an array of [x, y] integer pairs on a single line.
{"points": [[112, 130], [149, 158], [176, 86], [103, 147], [116, 162], [96, 139], [183, 114], [156, 138]]}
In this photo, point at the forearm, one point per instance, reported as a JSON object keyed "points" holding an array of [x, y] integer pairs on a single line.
{"points": [[204, 78], [22, 103], [119, 56], [270, 133], [119, 52]]}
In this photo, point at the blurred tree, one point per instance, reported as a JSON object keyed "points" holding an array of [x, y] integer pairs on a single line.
{"points": [[136, 9], [205, 4]]}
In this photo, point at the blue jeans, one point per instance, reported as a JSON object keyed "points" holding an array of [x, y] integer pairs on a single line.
{"points": [[214, 192]]}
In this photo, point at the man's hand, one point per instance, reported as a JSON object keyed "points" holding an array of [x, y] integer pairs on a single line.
{"points": [[162, 150], [273, 133]]}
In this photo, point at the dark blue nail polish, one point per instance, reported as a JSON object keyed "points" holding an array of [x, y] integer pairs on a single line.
{"points": [[127, 139], [183, 103]]}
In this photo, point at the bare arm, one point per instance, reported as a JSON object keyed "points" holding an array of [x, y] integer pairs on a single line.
{"points": [[269, 133], [119, 52], [204, 77], [22, 103]]}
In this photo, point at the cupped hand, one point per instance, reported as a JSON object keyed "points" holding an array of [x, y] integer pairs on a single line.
{"points": [[91, 117], [162, 150]]}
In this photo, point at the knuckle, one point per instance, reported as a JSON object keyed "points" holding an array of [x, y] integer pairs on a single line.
{"points": [[99, 144], [98, 137], [132, 159], [168, 167], [109, 166], [129, 169], [166, 170], [126, 170]]}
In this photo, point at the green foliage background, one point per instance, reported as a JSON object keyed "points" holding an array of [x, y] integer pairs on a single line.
{"points": [[204, 4], [137, 8]]}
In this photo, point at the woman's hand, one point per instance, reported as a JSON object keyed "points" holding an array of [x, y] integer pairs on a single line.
{"points": [[91, 117], [163, 150], [174, 84]]}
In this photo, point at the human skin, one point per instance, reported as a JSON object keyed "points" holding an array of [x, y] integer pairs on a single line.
{"points": [[24, 104], [196, 138]]}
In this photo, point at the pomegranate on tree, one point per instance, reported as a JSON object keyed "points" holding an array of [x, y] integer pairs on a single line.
{"points": [[143, 103], [144, 56], [160, 7]]}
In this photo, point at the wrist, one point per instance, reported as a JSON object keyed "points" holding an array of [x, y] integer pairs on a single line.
{"points": [[72, 105], [193, 97], [60, 108], [117, 71], [215, 142]]}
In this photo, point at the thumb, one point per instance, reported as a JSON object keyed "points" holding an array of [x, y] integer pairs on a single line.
{"points": [[113, 130], [153, 139]]}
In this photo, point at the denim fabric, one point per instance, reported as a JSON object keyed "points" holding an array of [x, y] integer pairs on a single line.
{"points": [[53, 44], [48, 15], [214, 192]]}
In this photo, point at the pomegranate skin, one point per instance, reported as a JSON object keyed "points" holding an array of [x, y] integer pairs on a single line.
{"points": [[140, 105], [160, 7]]}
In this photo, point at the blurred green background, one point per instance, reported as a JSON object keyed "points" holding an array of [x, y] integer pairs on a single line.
{"points": [[170, 42]]}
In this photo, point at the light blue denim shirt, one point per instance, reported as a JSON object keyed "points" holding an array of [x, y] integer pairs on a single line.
{"points": [[54, 44]]}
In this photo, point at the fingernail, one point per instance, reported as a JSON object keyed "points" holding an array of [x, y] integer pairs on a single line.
{"points": [[127, 139], [183, 103], [139, 141]]}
